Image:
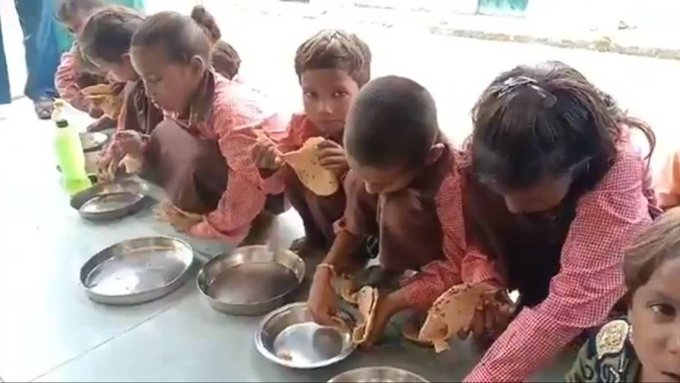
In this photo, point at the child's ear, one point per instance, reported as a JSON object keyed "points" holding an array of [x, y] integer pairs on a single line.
{"points": [[435, 152], [198, 65]]}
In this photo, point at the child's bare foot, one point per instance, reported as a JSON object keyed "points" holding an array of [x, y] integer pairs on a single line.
{"points": [[304, 246]]}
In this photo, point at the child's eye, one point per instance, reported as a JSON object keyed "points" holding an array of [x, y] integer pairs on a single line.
{"points": [[340, 94], [310, 94], [663, 309]]}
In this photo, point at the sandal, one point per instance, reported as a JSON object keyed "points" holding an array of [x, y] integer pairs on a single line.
{"points": [[44, 106]]}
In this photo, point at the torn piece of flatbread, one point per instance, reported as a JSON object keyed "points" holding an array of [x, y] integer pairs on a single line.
{"points": [[451, 312], [132, 164], [315, 177], [367, 300], [104, 97], [165, 211]]}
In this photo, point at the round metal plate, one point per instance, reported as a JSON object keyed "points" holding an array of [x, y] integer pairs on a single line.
{"points": [[289, 337], [226, 281], [136, 271], [110, 205], [378, 375], [93, 141]]}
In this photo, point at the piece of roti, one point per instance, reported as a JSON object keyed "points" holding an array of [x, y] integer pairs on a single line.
{"points": [[97, 90], [451, 312], [315, 177], [103, 97], [367, 299]]}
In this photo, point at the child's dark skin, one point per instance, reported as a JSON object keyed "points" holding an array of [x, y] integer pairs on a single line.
{"points": [[327, 95], [171, 87], [655, 317]]}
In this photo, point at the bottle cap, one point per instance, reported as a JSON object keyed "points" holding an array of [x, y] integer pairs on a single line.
{"points": [[62, 123]]}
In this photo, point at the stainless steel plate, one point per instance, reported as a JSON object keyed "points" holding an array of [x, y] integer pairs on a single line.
{"points": [[137, 270], [104, 202], [289, 337], [378, 375], [251, 280], [93, 141]]}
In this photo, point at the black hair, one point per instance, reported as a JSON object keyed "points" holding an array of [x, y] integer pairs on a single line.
{"points": [[656, 245], [69, 9], [392, 122], [107, 33], [182, 37], [335, 49], [225, 59], [545, 119]]}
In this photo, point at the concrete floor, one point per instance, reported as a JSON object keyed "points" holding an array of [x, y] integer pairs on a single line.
{"points": [[50, 331]]}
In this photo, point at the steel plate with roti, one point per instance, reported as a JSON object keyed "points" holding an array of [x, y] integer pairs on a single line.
{"points": [[451, 312], [315, 177]]}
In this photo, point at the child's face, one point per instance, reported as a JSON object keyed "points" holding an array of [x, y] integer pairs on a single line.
{"points": [[170, 86], [327, 95], [121, 71], [391, 179], [655, 318]]}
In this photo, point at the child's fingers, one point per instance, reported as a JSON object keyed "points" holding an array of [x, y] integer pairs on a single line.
{"points": [[328, 144], [333, 161]]}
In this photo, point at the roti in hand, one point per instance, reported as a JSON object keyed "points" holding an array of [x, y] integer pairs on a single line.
{"points": [[367, 299], [315, 177], [105, 98], [452, 312]]}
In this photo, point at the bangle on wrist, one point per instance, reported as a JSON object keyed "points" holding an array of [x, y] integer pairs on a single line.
{"points": [[328, 267]]}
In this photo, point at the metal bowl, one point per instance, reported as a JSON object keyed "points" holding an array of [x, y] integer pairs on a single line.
{"points": [[289, 337], [251, 280], [137, 270], [379, 375], [109, 201], [92, 141]]}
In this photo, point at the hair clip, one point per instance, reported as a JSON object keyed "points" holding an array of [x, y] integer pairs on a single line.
{"points": [[548, 100]]}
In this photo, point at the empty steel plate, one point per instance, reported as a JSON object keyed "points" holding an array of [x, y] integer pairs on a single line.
{"points": [[378, 375], [289, 337], [93, 141], [104, 202], [137, 270], [251, 280]]}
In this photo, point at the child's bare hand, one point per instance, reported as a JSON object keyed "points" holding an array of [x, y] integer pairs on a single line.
{"points": [[266, 155], [322, 300], [332, 157], [492, 315], [130, 142]]}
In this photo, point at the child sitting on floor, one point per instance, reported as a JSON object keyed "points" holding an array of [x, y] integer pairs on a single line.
{"points": [[645, 345], [401, 162], [72, 76], [201, 152], [331, 67], [105, 41]]}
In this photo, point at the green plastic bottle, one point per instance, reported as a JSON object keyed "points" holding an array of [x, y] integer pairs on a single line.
{"points": [[70, 155]]}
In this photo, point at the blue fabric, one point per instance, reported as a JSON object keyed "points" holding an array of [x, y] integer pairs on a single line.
{"points": [[42, 50]]}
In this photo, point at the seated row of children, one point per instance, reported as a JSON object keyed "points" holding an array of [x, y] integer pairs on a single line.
{"points": [[544, 198]]}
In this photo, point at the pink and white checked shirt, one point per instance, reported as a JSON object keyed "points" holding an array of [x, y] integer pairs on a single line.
{"points": [[462, 262], [65, 81], [590, 281], [236, 111]]}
